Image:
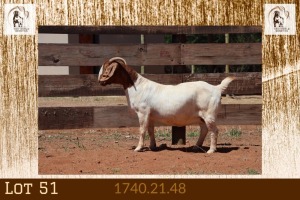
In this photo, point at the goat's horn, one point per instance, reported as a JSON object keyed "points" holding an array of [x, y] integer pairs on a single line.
{"points": [[118, 58]]}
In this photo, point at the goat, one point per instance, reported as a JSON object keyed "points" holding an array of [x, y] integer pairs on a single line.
{"points": [[176, 105]]}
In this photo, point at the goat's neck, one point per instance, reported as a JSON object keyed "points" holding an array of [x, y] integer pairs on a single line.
{"points": [[139, 92]]}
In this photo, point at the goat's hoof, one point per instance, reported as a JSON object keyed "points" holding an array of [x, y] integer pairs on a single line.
{"points": [[154, 148], [196, 147], [138, 149], [211, 150]]}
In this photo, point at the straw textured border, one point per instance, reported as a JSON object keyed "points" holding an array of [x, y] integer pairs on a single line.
{"points": [[18, 73]]}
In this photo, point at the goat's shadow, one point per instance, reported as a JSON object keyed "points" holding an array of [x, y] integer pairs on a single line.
{"points": [[222, 148]]}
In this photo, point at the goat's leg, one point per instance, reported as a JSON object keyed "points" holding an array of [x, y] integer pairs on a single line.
{"points": [[143, 120], [213, 137], [213, 140], [203, 133], [211, 125], [151, 135]]}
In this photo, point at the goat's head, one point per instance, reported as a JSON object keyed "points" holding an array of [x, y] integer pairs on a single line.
{"points": [[116, 71]]}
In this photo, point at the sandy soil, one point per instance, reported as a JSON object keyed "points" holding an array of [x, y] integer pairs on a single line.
{"points": [[110, 151]]}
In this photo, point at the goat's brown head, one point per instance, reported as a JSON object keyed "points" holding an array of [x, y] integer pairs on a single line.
{"points": [[116, 71]]}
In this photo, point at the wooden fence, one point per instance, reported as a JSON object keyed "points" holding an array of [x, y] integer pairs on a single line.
{"points": [[151, 54], [87, 85], [143, 54]]}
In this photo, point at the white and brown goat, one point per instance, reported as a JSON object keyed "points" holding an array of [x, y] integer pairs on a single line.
{"points": [[175, 105]]}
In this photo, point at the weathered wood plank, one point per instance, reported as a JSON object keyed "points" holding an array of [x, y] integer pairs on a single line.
{"points": [[87, 39], [244, 114], [114, 116], [159, 54], [246, 83], [150, 54], [149, 29], [65, 118], [95, 54], [74, 85], [87, 85], [119, 116], [221, 54]]}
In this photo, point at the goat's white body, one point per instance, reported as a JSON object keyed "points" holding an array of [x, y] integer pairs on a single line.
{"points": [[179, 105], [175, 105]]}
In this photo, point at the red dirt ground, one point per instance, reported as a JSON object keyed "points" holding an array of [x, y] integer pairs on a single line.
{"points": [[110, 151]]}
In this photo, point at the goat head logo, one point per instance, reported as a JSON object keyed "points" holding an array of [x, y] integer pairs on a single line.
{"points": [[18, 17], [278, 18]]}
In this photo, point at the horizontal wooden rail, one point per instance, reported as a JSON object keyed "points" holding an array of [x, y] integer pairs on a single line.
{"points": [[119, 116], [151, 54], [149, 29], [247, 83]]}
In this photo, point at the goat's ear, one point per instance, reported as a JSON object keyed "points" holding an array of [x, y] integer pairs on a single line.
{"points": [[109, 71]]}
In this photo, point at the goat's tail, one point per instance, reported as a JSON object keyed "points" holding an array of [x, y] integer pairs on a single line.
{"points": [[224, 84]]}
